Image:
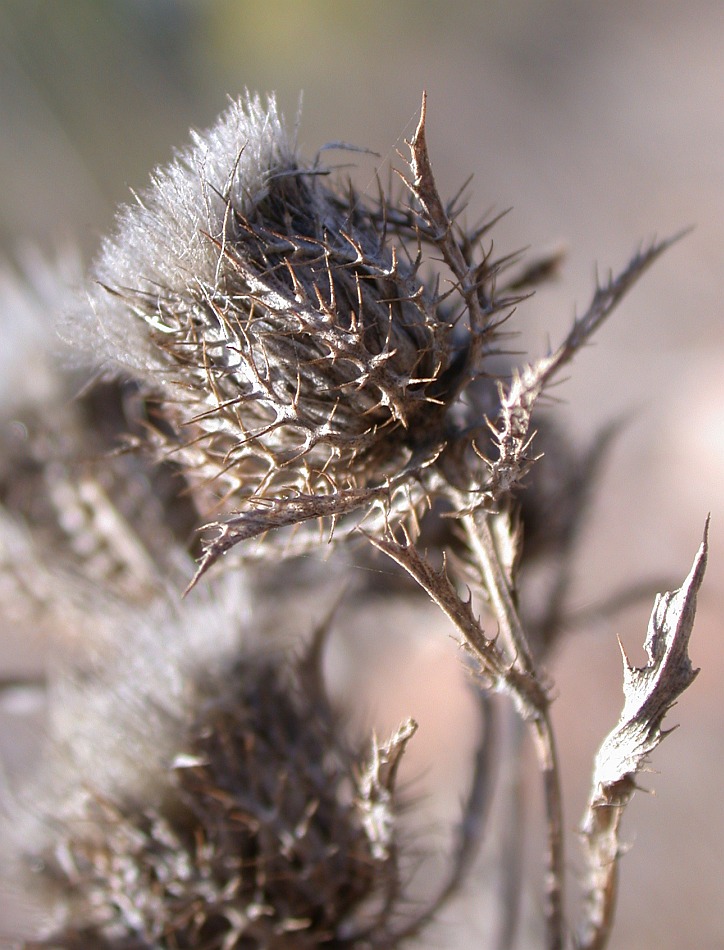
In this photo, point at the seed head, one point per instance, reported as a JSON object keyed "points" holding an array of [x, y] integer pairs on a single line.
{"points": [[231, 813], [293, 347]]}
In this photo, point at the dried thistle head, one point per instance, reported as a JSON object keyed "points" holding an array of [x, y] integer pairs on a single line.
{"points": [[295, 348], [200, 792], [305, 364]]}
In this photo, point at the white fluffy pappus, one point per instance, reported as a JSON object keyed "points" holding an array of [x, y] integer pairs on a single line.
{"points": [[187, 203]]}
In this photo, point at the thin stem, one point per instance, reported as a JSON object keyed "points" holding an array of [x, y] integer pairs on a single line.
{"points": [[515, 677], [545, 747], [533, 706], [512, 837], [487, 558]]}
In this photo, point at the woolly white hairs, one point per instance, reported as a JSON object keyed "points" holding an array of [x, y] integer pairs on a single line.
{"points": [[122, 684], [163, 242]]}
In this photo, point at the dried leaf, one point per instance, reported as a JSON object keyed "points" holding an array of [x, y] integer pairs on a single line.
{"points": [[649, 693]]}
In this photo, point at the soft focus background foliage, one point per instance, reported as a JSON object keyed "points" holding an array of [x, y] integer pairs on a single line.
{"points": [[602, 124]]}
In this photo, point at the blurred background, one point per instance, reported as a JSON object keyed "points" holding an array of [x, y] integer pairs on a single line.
{"points": [[602, 125]]}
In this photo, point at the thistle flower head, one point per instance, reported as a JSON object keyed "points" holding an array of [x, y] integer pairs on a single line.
{"points": [[203, 793], [291, 346], [304, 366]]}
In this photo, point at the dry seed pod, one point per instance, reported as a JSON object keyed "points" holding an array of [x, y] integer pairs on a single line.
{"points": [[200, 795], [290, 347]]}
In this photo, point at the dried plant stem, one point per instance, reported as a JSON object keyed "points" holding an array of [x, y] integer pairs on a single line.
{"points": [[487, 558], [513, 674], [533, 706], [545, 747], [512, 837]]}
